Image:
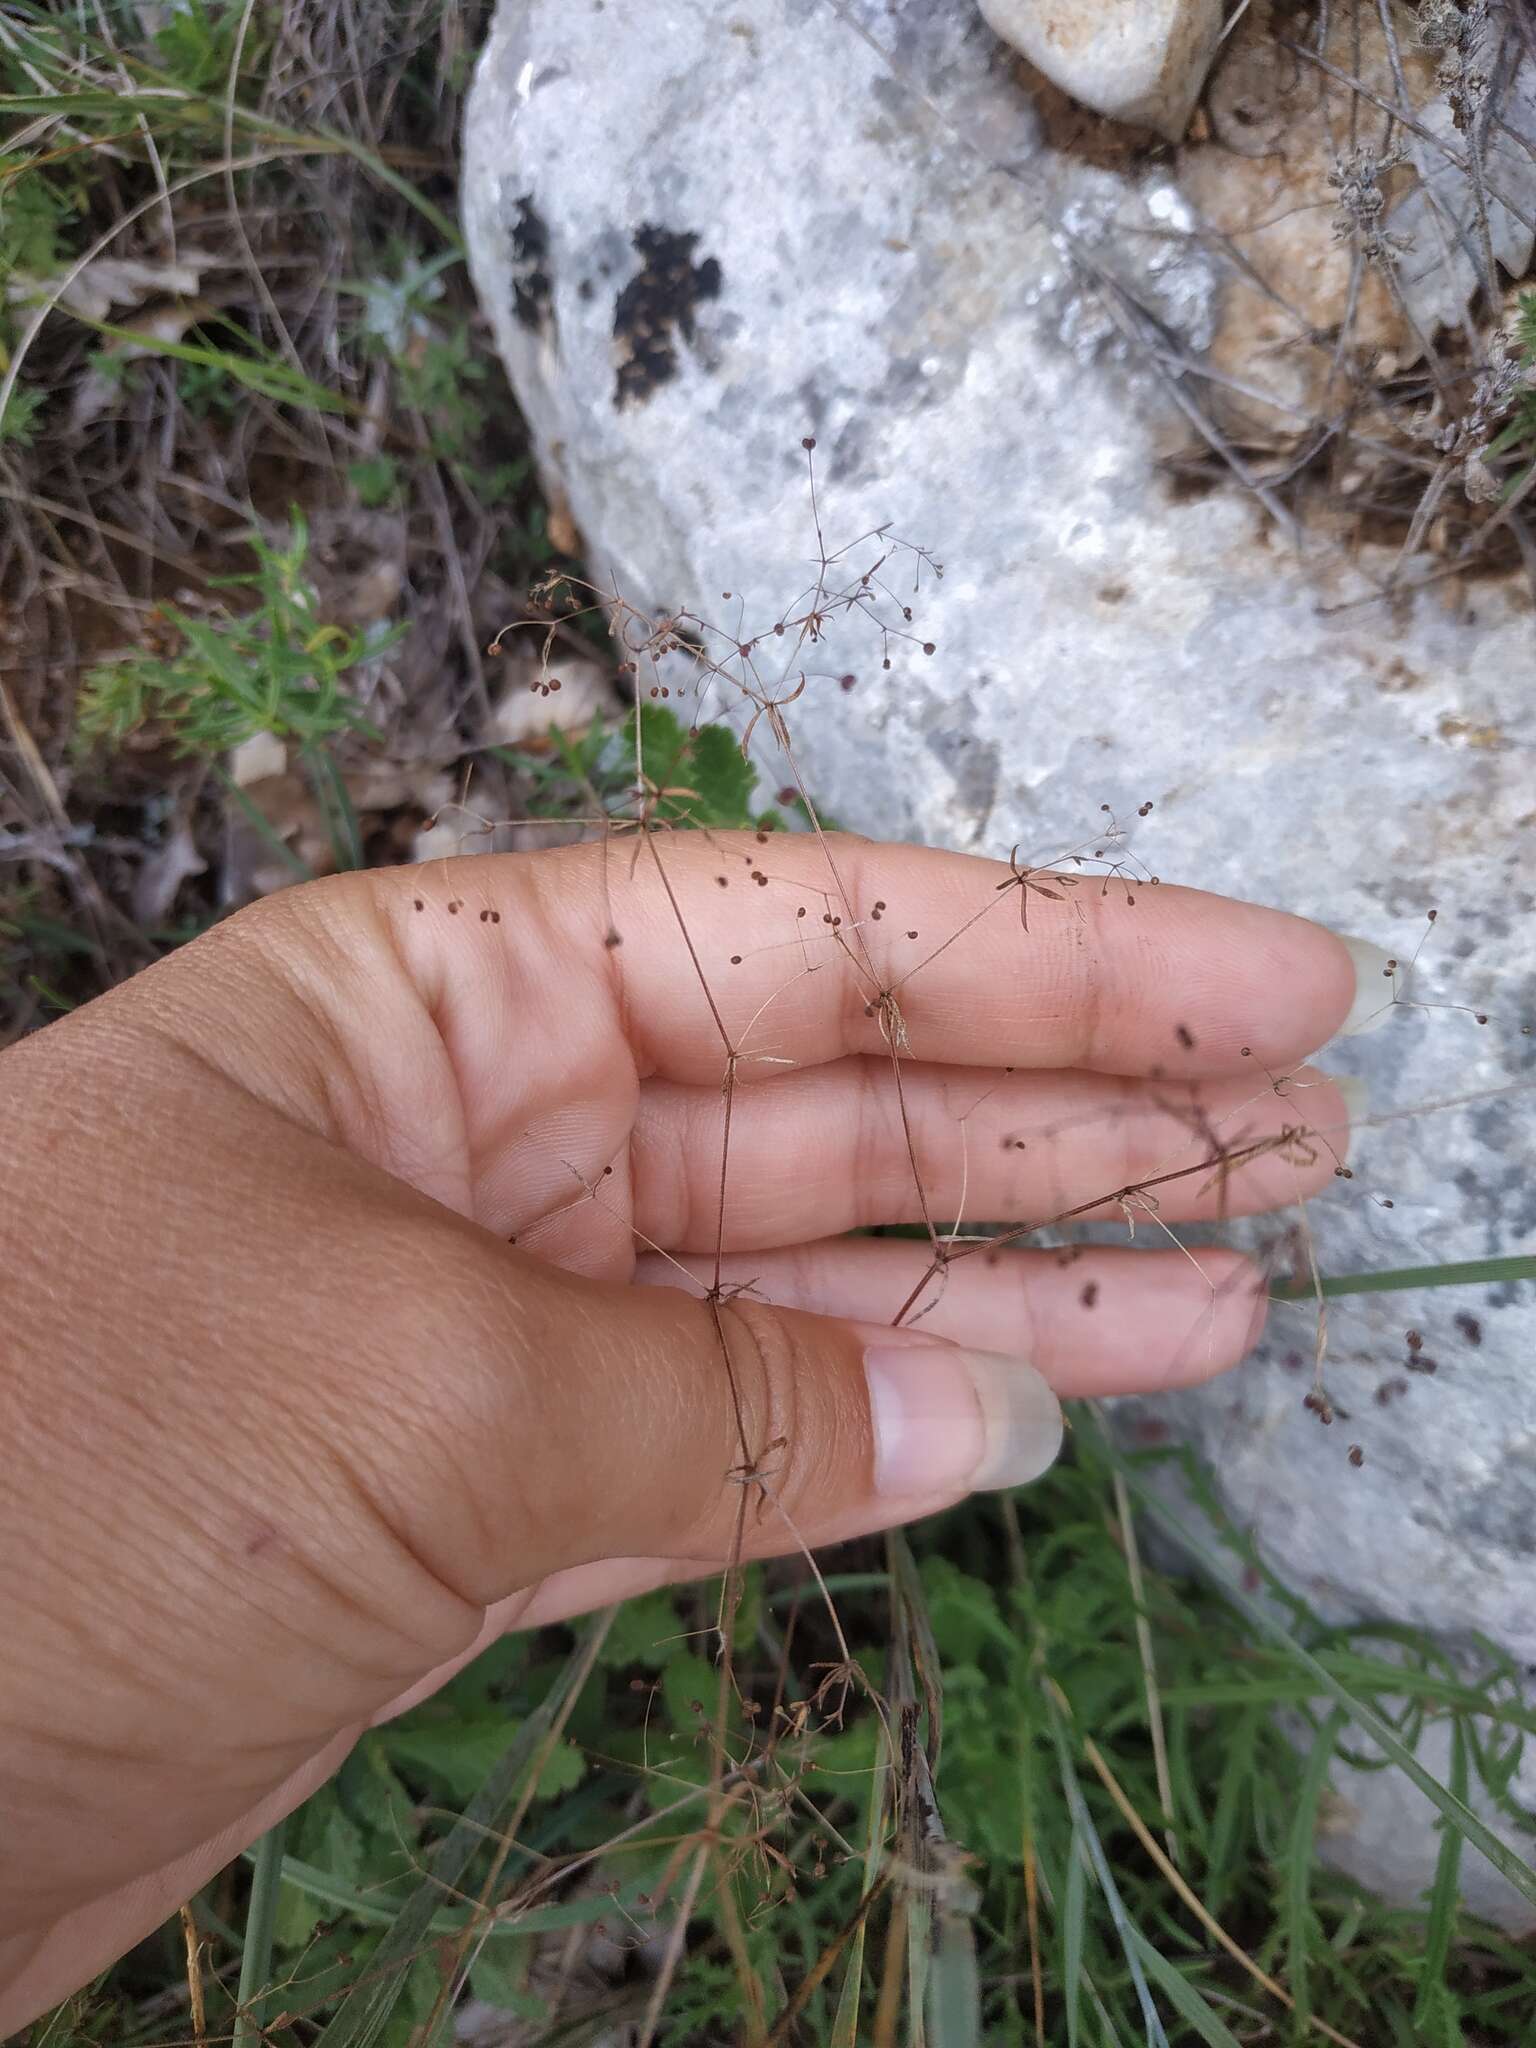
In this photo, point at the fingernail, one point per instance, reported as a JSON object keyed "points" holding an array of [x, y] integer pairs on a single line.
{"points": [[952, 1421], [1375, 985]]}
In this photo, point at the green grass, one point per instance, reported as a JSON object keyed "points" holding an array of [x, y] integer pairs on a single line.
{"points": [[581, 1771], [275, 666], [555, 1754], [995, 1832], [1518, 435]]}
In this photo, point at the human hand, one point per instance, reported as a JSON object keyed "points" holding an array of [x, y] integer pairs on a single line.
{"points": [[325, 1358]]}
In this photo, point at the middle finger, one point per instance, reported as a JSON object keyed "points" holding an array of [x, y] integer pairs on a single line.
{"points": [[818, 1151]]}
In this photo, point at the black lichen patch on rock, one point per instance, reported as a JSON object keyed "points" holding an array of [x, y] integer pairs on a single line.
{"points": [[531, 285], [656, 307]]}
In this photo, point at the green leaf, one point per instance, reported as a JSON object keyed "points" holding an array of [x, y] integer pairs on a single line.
{"points": [[563, 1771], [376, 479], [370, 1793], [489, 1678], [723, 777], [324, 1834], [458, 1755], [710, 780], [33, 214], [645, 1631], [298, 1913], [499, 1976], [361, 2016], [19, 421], [690, 1685], [420, 1991]]}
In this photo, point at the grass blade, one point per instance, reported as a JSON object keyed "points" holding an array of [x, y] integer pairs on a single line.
{"points": [[1300, 1859], [1449, 1805], [1444, 1901], [954, 1986], [362, 2015], [1190, 1901], [260, 1924], [845, 2023], [1399, 1279], [1231, 1799], [263, 826], [335, 1892], [1182, 1995], [256, 373], [336, 807], [1088, 1835], [1074, 1907]]}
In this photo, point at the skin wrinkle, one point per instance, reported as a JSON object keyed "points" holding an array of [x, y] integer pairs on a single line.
{"points": [[480, 1340], [362, 1500], [203, 1521], [513, 937], [768, 1378], [664, 1188], [873, 1105], [348, 1097], [327, 1002], [503, 1353]]}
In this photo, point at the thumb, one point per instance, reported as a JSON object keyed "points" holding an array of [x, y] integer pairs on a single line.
{"points": [[613, 1421]]}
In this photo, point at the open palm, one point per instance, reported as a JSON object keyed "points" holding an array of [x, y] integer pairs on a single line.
{"points": [[407, 1140]]}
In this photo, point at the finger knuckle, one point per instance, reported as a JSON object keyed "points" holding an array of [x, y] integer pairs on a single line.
{"points": [[793, 1429]]}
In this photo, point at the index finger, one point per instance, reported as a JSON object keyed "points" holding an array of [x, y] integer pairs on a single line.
{"points": [[786, 949]]}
